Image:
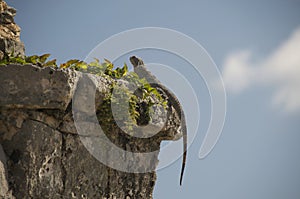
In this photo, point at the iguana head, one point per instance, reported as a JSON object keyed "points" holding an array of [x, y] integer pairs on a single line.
{"points": [[136, 61]]}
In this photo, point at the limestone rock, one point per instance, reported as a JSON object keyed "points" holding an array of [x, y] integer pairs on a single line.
{"points": [[47, 156], [46, 88], [5, 193], [3, 173], [9, 32], [44, 155]]}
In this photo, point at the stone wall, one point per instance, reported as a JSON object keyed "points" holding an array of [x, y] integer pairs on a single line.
{"points": [[43, 155]]}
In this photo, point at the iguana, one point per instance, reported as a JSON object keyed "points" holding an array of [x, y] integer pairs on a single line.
{"points": [[142, 72]]}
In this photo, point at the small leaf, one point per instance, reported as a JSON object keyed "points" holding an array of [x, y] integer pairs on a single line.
{"points": [[17, 60], [32, 59], [50, 63], [81, 65], [96, 60], [107, 61], [124, 70], [69, 64], [63, 65], [44, 58], [95, 63]]}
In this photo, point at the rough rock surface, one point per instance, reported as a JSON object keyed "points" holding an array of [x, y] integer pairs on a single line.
{"points": [[43, 92], [9, 32], [5, 193], [44, 155]]}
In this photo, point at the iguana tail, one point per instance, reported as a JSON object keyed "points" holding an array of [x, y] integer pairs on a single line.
{"points": [[184, 135]]}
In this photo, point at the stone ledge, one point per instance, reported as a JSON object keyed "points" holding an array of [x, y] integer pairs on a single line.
{"points": [[32, 87]]}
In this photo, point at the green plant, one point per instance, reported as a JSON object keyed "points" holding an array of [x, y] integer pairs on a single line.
{"points": [[34, 59], [105, 69]]}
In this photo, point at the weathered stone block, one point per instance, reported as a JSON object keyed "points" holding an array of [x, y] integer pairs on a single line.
{"points": [[32, 87]]}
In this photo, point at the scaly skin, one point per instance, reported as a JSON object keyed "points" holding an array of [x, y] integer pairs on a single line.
{"points": [[142, 72]]}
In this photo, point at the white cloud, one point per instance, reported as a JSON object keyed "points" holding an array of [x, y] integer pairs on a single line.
{"points": [[280, 70]]}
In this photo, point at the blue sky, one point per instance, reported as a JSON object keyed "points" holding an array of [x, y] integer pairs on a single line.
{"points": [[254, 45]]}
